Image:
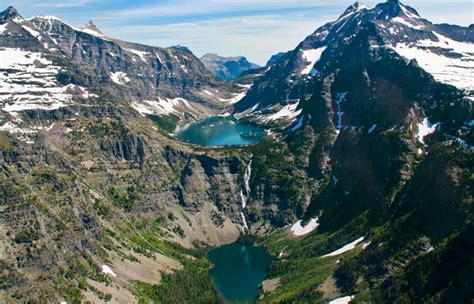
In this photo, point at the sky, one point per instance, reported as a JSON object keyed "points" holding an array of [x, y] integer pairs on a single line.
{"points": [[252, 28]]}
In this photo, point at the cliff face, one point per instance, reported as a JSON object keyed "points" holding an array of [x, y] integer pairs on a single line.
{"points": [[92, 184]]}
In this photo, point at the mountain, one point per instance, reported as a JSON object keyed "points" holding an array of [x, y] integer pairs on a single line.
{"points": [[444, 53], [168, 82], [362, 191], [227, 68], [92, 29], [376, 109], [91, 180]]}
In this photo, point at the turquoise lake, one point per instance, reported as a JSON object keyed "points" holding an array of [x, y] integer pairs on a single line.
{"points": [[219, 131], [238, 270]]}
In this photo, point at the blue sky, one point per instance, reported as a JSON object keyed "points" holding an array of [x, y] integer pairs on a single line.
{"points": [[253, 28]]}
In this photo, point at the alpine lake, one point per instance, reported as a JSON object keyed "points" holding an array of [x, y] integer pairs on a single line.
{"points": [[238, 271], [219, 131]]}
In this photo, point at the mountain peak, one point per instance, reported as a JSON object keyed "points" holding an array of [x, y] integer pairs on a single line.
{"points": [[10, 13], [10, 10], [357, 6], [43, 17], [394, 8], [92, 29]]}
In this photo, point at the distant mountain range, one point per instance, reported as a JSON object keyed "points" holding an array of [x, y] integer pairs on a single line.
{"points": [[227, 68]]}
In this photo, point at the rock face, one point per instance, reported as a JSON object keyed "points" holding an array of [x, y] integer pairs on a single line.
{"points": [[227, 68]]}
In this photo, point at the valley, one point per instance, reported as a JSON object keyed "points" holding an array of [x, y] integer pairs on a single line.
{"points": [[340, 171]]}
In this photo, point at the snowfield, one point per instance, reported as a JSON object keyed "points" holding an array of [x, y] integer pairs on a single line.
{"points": [[457, 68], [28, 82]]}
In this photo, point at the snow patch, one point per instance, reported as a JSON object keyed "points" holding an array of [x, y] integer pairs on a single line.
{"points": [[162, 106], [3, 28], [14, 129], [372, 128], [342, 300], [311, 56], [107, 270], [298, 229], [141, 54], [345, 248], [34, 33], [237, 97], [403, 21], [119, 78], [288, 112], [425, 128], [298, 125]]}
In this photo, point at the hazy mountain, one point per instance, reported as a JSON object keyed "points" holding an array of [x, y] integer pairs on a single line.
{"points": [[227, 68]]}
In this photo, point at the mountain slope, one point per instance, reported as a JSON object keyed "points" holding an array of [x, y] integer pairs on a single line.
{"points": [[387, 148], [95, 197]]}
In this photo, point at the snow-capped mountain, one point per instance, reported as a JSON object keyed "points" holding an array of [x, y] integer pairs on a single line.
{"points": [[48, 64], [444, 51], [29, 72]]}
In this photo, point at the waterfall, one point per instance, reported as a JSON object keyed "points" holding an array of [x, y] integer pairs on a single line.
{"points": [[244, 220], [245, 196], [340, 97]]}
